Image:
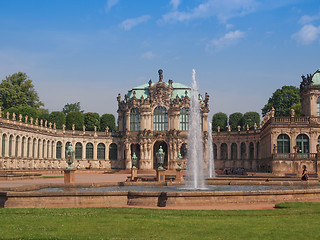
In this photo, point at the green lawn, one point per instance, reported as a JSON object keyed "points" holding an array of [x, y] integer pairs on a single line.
{"points": [[293, 221]]}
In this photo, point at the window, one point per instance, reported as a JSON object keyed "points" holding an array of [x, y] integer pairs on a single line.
{"points": [[303, 143], [58, 150], [224, 151], [184, 119], [234, 153], [113, 151], [160, 119], [10, 145], [3, 145], [101, 151], [78, 151], [89, 151], [283, 143], [243, 151], [135, 119]]}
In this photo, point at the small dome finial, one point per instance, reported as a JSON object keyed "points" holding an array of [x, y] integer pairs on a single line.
{"points": [[160, 75]]}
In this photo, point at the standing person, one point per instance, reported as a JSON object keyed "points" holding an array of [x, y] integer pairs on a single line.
{"points": [[305, 175]]}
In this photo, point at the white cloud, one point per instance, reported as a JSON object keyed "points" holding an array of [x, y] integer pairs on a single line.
{"points": [[223, 10], [305, 19], [175, 4], [110, 4], [132, 22], [148, 55], [228, 39], [307, 34]]}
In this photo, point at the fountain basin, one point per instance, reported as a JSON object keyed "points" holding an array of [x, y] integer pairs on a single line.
{"points": [[75, 196]]}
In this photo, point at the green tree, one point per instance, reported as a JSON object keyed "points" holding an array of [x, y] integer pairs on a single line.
{"points": [[71, 107], [219, 119], [58, 117], [250, 118], [297, 109], [108, 120], [44, 117], [17, 90], [90, 120], [75, 118], [282, 100], [235, 120]]}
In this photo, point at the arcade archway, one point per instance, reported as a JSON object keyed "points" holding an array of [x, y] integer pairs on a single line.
{"points": [[156, 147]]}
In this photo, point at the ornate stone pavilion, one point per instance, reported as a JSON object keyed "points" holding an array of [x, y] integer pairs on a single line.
{"points": [[157, 114]]}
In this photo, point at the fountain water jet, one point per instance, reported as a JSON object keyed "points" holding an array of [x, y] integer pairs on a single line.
{"points": [[211, 168], [195, 176]]}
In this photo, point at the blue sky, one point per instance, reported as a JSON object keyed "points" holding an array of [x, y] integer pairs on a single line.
{"points": [[89, 51]]}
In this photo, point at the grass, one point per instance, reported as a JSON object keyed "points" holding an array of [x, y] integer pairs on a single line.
{"points": [[291, 221]]}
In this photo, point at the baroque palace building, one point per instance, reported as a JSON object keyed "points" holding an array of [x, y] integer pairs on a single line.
{"points": [[157, 114]]}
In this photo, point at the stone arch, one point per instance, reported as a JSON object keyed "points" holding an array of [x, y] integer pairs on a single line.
{"points": [[135, 148], [3, 147], [156, 147]]}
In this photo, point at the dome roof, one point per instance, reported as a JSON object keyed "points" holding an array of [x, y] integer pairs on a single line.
{"points": [[143, 90], [316, 77]]}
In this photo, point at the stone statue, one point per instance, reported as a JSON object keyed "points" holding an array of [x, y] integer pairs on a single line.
{"points": [[0, 113], [95, 128], [83, 128], [70, 155], [292, 113], [63, 127], [20, 117], [54, 126], [73, 127], [239, 128], [107, 129], [13, 116], [160, 75], [46, 123], [36, 123], [247, 127], [218, 128], [26, 119], [8, 115], [229, 128], [41, 122], [31, 120]]}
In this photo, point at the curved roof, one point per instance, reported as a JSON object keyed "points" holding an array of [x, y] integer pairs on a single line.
{"points": [[143, 90], [316, 77]]}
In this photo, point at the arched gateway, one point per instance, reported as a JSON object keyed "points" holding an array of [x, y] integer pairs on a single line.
{"points": [[156, 147]]}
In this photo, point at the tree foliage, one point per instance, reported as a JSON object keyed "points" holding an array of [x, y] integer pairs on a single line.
{"points": [[108, 120], [71, 107], [59, 118], [282, 100], [219, 119], [75, 118], [17, 90], [90, 120], [235, 120], [250, 118]]}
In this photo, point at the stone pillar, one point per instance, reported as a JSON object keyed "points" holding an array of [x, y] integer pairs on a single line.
{"points": [[13, 150], [229, 150], [84, 150], [69, 176], [40, 149], [106, 151], [45, 145], [128, 156], [219, 150], [6, 154], [95, 151], [238, 150], [50, 150], [19, 148], [55, 150], [205, 121], [134, 174], [161, 177], [179, 175], [127, 121]]}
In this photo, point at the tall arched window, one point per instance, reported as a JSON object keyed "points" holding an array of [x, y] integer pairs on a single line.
{"points": [[251, 151], [184, 119], [303, 143], [28, 147], [33, 147], [283, 143], [17, 146], [58, 150], [101, 150], [243, 151], [318, 107], [78, 151], [224, 151], [113, 151], [89, 151], [3, 145], [22, 146], [135, 119], [234, 154], [160, 119], [10, 145]]}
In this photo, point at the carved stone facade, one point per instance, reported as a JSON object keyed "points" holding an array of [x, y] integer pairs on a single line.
{"points": [[157, 114]]}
